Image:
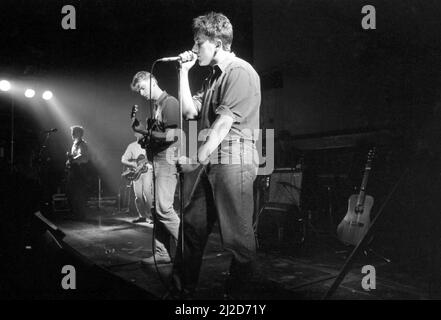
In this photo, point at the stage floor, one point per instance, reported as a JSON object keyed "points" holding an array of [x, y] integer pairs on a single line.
{"points": [[109, 239]]}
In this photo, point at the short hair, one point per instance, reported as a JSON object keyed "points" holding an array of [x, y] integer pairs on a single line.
{"points": [[141, 76], [215, 25], [77, 130]]}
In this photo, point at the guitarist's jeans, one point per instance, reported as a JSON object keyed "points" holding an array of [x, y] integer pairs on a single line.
{"points": [[167, 219], [143, 189], [223, 193]]}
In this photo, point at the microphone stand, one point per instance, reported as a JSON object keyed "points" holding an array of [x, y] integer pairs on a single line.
{"points": [[154, 215], [42, 170], [181, 175]]}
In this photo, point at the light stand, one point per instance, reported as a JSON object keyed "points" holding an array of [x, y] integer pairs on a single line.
{"points": [[12, 133]]}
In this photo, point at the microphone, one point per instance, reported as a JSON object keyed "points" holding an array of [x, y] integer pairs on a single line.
{"points": [[178, 58], [50, 130]]}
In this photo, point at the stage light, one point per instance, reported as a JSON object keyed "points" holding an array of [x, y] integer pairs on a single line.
{"points": [[5, 85], [47, 95], [29, 93]]}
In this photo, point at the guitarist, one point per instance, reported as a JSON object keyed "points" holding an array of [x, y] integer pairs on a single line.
{"points": [[142, 187], [165, 116], [76, 165]]}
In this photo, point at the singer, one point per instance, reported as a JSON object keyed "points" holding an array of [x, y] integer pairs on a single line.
{"points": [[228, 105]]}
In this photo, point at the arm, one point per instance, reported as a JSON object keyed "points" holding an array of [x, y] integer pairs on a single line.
{"points": [[128, 163], [171, 119], [220, 128], [189, 109], [82, 154], [136, 125], [126, 159]]}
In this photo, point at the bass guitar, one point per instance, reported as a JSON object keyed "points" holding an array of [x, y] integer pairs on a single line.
{"points": [[357, 220]]}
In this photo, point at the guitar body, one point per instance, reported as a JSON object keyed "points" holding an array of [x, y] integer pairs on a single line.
{"points": [[133, 174], [68, 164], [138, 172], [357, 220]]}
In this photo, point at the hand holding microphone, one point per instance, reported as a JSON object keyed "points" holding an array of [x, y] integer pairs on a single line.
{"points": [[187, 59]]}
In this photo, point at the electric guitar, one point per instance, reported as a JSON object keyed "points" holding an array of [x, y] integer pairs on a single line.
{"points": [[69, 159], [185, 164], [357, 220], [133, 174], [145, 142]]}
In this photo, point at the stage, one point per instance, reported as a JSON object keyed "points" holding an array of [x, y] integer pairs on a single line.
{"points": [[109, 240]]}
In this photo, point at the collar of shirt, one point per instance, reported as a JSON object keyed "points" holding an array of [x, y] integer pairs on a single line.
{"points": [[161, 98], [223, 64]]}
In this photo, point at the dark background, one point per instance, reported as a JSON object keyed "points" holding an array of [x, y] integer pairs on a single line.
{"points": [[321, 75], [90, 69], [321, 72]]}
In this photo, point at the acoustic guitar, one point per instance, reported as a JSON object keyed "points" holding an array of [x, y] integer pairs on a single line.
{"points": [[357, 220]]}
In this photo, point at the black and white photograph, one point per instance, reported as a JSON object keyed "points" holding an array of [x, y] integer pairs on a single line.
{"points": [[237, 152]]}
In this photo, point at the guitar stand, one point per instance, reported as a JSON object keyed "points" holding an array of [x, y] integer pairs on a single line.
{"points": [[369, 250]]}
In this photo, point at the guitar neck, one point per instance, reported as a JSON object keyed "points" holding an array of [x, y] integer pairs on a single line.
{"points": [[362, 194]]}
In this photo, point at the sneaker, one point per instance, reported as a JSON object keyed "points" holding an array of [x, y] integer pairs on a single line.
{"points": [[160, 259], [142, 219]]}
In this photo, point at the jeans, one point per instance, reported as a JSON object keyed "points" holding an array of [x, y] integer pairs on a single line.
{"points": [[143, 189], [223, 192], [167, 219]]}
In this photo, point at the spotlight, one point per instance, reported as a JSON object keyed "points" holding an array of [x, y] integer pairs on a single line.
{"points": [[5, 85], [29, 93], [47, 95]]}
